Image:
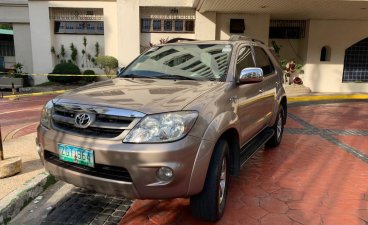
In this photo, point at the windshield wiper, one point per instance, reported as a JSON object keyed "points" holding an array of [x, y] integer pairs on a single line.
{"points": [[175, 77], [134, 76]]}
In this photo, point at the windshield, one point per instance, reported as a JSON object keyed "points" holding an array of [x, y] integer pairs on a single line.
{"points": [[189, 61]]}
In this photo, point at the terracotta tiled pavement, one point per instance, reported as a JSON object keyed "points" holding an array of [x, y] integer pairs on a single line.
{"points": [[317, 176]]}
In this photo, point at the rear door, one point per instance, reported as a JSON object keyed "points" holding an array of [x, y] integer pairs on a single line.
{"points": [[249, 98], [269, 83]]}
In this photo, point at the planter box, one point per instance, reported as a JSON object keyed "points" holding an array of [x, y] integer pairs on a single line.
{"points": [[7, 82]]}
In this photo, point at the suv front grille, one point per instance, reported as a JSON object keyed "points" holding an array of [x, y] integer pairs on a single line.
{"points": [[100, 170], [104, 125], [91, 131]]}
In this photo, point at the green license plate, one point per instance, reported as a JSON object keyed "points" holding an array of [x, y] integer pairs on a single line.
{"points": [[76, 155]]}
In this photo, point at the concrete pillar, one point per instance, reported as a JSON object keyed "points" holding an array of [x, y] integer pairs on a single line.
{"points": [[22, 44], [111, 29], [41, 38], [205, 27], [128, 31]]}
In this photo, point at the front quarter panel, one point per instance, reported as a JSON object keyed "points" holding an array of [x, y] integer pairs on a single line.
{"points": [[217, 127]]}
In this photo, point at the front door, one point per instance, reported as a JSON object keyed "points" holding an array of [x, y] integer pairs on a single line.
{"points": [[250, 98], [269, 82]]}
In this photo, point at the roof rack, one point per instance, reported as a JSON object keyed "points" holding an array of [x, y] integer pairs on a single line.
{"points": [[243, 38], [176, 40]]}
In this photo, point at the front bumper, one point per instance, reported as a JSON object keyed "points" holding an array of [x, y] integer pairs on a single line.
{"points": [[140, 160]]}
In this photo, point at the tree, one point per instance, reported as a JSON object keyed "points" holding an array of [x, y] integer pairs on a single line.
{"points": [[108, 64]]}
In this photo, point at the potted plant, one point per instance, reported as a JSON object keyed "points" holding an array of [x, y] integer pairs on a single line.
{"points": [[292, 72]]}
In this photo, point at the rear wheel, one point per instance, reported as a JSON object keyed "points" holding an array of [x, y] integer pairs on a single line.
{"points": [[278, 129], [210, 203]]}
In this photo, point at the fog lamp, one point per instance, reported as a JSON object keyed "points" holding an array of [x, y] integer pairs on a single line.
{"points": [[165, 173]]}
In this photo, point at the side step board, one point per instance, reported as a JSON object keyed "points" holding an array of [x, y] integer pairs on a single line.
{"points": [[254, 145]]}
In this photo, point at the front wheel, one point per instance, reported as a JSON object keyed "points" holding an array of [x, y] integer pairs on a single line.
{"points": [[210, 203], [278, 129]]}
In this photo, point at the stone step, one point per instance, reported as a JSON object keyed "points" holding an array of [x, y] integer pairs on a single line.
{"points": [[294, 89]]}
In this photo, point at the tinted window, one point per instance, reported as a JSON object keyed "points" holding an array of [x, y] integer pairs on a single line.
{"points": [[263, 62], [244, 59]]}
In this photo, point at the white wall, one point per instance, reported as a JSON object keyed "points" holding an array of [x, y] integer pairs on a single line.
{"points": [[256, 25], [289, 49], [205, 26], [22, 44], [77, 40], [154, 38], [128, 31], [9, 62], [164, 3], [339, 35], [40, 38], [14, 14], [43, 37]]}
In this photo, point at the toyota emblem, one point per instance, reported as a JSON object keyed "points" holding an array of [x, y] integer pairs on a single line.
{"points": [[83, 120]]}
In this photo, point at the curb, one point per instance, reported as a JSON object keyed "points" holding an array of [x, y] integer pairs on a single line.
{"points": [[310, 98], [13, 203], [35, 94]]}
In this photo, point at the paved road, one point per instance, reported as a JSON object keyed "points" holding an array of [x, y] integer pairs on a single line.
{"points": [[20, 117], [317, 176]]}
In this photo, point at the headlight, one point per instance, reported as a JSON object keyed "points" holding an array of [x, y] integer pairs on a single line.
{"points": [[46, 114], [164, 127]]}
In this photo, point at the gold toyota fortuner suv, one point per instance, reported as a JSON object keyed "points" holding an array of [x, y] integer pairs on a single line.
{"points": [[176, 122]]}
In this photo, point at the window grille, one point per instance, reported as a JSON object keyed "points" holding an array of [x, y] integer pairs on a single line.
{"points": [[79, 27], [7, 48], [76, 14], [356, 62], [166, 19], [287, 29]]}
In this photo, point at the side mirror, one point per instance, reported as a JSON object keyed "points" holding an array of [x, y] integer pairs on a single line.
{"points": [[119, 70], [251, 75]]}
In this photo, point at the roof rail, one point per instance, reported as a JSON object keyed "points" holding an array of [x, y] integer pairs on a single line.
{"points": [[175, 40], [243, 38]]}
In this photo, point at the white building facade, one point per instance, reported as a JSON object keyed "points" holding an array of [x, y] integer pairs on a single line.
{"points": [[329, 38]]}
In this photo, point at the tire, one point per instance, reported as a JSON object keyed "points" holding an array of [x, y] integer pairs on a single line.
{"points": [[278, 129], [210, 203]]}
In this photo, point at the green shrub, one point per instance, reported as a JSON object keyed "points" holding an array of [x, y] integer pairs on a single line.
{"points": [[65, 68], [108, 64], [89, 79]]}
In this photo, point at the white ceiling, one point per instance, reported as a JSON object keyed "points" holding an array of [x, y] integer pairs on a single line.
{"points": [[291, 9]]}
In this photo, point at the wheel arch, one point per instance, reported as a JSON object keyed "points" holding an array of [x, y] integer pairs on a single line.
{"points": [[200, 167]]}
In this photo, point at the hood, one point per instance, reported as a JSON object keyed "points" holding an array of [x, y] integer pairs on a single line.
{"points": [[144, 95]]}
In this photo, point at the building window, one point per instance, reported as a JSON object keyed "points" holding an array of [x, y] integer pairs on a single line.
{"points": [[7, 48], [287, 29], [356, 62], [79, 27], [189, 25], [167, 19], [325, 54], [146, 25], [169, 26], [156, 25], [179, 25]]}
